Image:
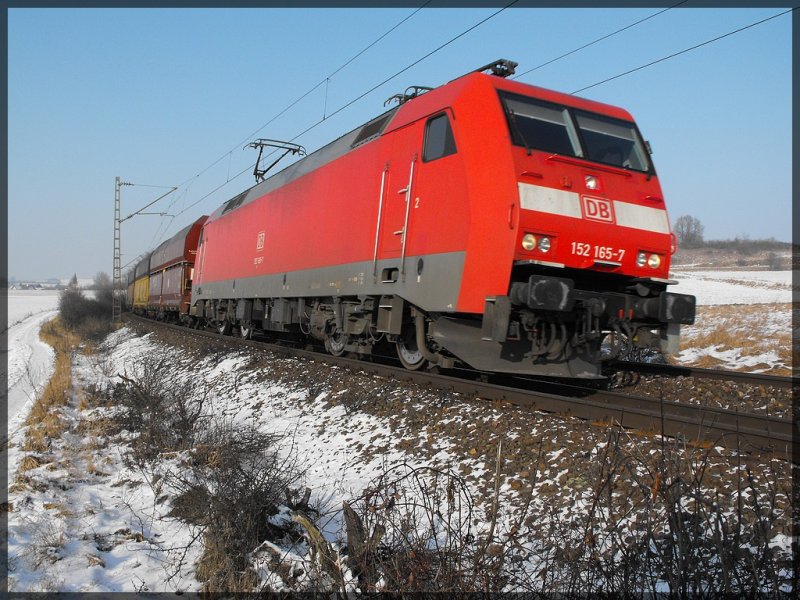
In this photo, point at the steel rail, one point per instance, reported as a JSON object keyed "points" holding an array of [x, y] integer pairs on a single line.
{"points": [[778, 381], [694, 423]]}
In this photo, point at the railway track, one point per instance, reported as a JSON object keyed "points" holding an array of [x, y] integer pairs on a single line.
{"points": [[693, 423], [718, 374]]}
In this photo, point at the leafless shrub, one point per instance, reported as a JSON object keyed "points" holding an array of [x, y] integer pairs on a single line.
{"points": [[774, 262], [91, 317], [413, 531], [47, 542], [643, 524], [165, 411], [73, 306], [235, 484], [657, 521], [94, 328]]}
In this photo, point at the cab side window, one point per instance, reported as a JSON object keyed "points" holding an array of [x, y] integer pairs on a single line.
{"points": [[439, 140]]}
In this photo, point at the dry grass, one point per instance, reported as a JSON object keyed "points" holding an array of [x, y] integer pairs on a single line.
{"points": [[44, 423], [98, 427], [754, 329], [62, 510], [29, 463]]}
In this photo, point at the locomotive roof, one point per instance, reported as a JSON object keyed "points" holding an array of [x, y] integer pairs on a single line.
{"points": [[403, 114], [328, 153], [143, 266], [173, 249]]}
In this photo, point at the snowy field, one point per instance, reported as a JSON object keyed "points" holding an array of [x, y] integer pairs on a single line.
{"points": [[744, 320], [736, 287], [29, 360], [26, 303]]}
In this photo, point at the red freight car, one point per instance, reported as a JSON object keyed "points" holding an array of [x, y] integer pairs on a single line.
{"points": [[499, 224], [171, 273]]}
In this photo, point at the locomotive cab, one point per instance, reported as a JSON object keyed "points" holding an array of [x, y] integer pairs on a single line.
{"points": [[592, 246]]}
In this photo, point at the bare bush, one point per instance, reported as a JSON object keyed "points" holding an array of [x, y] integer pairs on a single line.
{"points": [[103, 293], [47, 542], [656, 522], [73, 306], [93, 328], [645, 524], [774, 262], [165, 411], [413, 531], [230, 482], [235, 485], [91, 317]]}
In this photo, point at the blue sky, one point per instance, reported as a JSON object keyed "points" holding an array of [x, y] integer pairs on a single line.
{"points": [[158, 95]]}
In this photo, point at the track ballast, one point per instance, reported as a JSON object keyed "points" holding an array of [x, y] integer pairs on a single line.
{"points": [[695, 424]]}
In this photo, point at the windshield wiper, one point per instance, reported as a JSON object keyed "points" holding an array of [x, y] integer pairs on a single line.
{"points": [[513, 118]]}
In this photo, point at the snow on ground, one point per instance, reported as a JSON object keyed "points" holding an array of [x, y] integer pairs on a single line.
{"points": [[736, 287], [755, 338], [86, 526], [115, 519], [29, 360], [733, 329], [26, 303]]}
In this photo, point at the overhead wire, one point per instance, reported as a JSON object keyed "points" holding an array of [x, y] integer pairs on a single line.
{"points": [[366, 93], [600, 39], [311, 90], [684, 51]]}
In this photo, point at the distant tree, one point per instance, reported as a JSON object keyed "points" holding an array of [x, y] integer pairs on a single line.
{"points": [[90, 316], [774, 262], [689, 231], [103, 292], [72, 305]]}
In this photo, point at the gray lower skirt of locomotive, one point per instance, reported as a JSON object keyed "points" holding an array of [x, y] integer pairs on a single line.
{"points": [[430, 283]]}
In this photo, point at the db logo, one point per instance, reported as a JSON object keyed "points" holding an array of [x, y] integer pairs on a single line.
{"points": [[260, 241], [598, 209]]}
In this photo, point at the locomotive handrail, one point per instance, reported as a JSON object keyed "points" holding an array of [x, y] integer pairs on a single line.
{"points": [[378, 224], [405, 224]]}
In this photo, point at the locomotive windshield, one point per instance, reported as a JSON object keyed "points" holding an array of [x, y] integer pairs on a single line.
{"points": [[570, 132]]}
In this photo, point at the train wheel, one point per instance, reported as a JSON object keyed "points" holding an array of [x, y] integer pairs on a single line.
{"points": [[224, 327], [335, 343], [409, 354], [246, 331]]}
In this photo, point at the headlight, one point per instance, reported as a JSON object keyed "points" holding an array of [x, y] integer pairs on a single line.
{"points": [[654, 261], [641, 259], [529, 241], [544, 244]]}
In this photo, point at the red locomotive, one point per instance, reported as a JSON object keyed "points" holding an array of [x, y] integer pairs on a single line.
{"points": [[486, 222]]}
